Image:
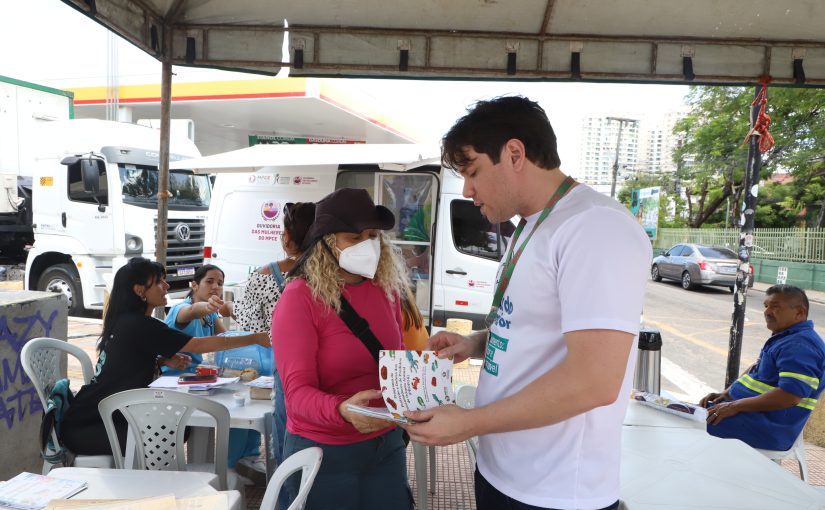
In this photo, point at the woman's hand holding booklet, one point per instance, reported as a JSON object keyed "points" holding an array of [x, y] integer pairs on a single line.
{"points": [[410, 381]]}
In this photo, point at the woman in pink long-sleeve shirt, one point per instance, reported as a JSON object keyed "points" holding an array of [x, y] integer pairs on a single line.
{"points": [[324, 366]]}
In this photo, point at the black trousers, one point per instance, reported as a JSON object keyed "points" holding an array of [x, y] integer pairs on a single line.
{"points": [[91, 438], [490, 498]]}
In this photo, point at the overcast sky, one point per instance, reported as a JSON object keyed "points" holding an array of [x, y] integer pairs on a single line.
{"points": [[49, 43]]}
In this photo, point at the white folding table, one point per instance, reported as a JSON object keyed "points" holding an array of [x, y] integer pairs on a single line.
{"points": [[672, 463], [251, 416], [132, 484]]}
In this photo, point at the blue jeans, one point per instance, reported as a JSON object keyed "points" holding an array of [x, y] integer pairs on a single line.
{"points": [[490, 498], [368, 475], [276, 442]]}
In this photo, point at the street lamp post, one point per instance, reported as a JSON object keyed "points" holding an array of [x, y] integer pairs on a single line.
{"points": [[622, 122]]}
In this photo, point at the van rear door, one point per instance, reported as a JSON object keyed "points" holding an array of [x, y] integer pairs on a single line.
{"points": [[411, 196]]}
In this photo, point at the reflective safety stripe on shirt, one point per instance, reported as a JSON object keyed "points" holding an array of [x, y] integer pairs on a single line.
{"points": [[760, 387], [813, 382]]}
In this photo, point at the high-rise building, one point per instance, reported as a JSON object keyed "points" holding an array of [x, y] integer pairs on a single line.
{"points": [[598, 150], [657, 143]]}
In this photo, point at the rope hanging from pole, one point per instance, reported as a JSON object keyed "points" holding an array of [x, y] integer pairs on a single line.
{"points": [[763, 120]]}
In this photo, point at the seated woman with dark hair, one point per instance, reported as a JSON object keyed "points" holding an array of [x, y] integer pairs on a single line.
{"points": [[129, 349]]}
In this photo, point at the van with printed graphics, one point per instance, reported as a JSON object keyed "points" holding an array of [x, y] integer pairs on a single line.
{"points": [[451, 250]]}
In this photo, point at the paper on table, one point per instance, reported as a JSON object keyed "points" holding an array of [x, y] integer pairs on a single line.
{"points": [[28, 491], [671, 405], [264, 381], [171, 381], [167, 502]]}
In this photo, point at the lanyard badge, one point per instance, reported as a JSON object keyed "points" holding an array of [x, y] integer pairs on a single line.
{"points": [[506, 269]]}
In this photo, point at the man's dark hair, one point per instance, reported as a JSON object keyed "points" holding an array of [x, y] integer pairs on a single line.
{"points": [[488, 125], [791, 293]]}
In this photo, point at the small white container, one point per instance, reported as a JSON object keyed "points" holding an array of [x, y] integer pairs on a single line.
{"points": [[240, 398]]}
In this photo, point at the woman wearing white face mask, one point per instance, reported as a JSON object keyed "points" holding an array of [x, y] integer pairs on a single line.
{"points": [[324, 366]]}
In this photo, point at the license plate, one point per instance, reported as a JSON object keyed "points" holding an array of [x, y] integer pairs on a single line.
{"points": [[186, 271], [727, 269]]}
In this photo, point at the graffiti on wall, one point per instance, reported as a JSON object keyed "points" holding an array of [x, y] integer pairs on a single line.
{"points": [[17, 397]]}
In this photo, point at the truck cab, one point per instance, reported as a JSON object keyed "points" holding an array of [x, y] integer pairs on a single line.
{"points": [[95, 206]]}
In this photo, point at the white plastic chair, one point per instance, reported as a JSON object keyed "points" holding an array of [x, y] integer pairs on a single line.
{"points": [[797, 450], [308, 462], [465, 396], [157, 420], [42, 359]]}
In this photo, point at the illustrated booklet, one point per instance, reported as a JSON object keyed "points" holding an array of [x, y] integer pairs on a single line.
{"points": [[410, 381]]}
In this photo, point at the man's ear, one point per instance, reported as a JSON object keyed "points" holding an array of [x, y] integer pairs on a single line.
{"points": [[514, 150]]}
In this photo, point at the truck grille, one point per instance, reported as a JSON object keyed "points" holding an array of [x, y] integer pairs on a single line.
{"points": [[184, 252]]}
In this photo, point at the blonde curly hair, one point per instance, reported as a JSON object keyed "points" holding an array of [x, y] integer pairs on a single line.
{"points": [[320, 270]]}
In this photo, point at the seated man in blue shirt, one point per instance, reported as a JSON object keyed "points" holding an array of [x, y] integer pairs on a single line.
{"points": [[767, 407]]}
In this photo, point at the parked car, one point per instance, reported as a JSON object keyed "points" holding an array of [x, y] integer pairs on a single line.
{"points": [[696, 264]]}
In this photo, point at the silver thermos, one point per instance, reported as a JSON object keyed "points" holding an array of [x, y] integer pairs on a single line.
{"points": [[649, 362]]}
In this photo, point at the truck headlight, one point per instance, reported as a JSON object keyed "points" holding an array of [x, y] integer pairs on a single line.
{"points": [[134, 245]]}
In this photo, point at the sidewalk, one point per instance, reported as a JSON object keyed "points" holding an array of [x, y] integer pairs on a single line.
{"points": [[814, 296]]}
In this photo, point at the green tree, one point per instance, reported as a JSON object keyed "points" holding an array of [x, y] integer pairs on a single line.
{"points": [[669, 200], [713, 156]]}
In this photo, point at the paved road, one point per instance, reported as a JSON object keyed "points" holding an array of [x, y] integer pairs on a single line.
{"points": [[695, 327]]}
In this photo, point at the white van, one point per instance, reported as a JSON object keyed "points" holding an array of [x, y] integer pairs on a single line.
{"points": [[451, 249]]}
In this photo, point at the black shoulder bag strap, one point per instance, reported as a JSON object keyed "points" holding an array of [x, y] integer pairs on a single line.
{"points": [[360, 328]]}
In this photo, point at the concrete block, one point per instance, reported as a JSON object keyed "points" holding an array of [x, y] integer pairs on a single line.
{"points": [[23, 316]]}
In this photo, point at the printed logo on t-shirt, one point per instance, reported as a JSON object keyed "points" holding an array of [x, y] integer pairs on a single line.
{"points": [[497, 342], [494, 343]]}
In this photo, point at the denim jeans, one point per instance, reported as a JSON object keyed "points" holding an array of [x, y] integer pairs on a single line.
{"points": [[490, 498], [276, 442], [368, 475]]}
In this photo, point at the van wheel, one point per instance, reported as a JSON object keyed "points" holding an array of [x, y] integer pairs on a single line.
{"points": [[63, 279], [687, 282], [732, 289], [654, 273]]}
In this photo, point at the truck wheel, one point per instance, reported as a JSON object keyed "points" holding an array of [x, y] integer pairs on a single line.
{"points": [[63, 278]]}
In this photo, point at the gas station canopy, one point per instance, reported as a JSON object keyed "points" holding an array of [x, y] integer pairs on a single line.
{"points": [[702, 41]]}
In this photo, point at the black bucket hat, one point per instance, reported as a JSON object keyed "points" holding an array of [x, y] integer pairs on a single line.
{"points": [[347, 210]]}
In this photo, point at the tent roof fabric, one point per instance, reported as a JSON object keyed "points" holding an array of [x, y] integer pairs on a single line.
{"points": [[702, 41]]}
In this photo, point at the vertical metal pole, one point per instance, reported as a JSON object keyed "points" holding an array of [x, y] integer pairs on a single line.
{"points": [[163, 160], [616, 161], [740, 297]]}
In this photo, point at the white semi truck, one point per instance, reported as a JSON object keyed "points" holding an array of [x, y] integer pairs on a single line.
{"points": [[94, 199], [24, 107]]}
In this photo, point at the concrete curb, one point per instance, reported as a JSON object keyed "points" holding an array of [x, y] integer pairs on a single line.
{"points": [[814, 296]]}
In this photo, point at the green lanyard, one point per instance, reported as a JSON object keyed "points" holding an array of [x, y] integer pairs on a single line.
{"points": [[512, 259]]}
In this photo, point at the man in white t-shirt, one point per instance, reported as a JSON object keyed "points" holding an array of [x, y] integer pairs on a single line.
{"points": [[557, 369]]}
